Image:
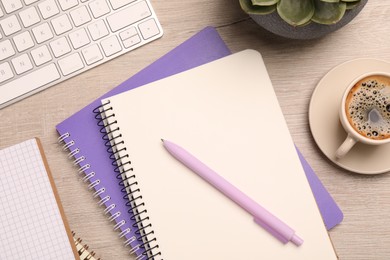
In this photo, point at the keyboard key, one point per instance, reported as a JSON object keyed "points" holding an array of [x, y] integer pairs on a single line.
{"points": [[119, 3], [1, 13], [23, 41], [148, 29], [6, 49], [5, 72], [61, 24], [11, 5], [67, 4], [60, 47], [80, 16], [28, 2], [71, 64], [29, 82], [98, 30], [111, 46], [48, 8], [29, 16], [99, 8], [41, 55], [22, 64], [130, 37], [133, 40], [128, 16], [92, 54], [79, 38], [42, 33], [10, 25], [126, 34]]}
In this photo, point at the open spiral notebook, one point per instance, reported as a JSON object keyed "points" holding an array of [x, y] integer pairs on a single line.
{"points": [[225, 111], [81, 137]]}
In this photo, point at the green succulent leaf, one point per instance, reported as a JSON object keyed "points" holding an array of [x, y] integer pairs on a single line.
{"points": [[264, 2], [301, 12], [296, 12], [330, 1], [307, 23], [351, 5], [328, 13], [249, 8]]}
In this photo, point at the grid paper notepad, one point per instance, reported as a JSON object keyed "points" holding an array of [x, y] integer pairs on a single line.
{"points": [[31, 223]]}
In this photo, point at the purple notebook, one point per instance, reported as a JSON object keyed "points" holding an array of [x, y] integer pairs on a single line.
{"points": [[330, 211], [81, 136]]}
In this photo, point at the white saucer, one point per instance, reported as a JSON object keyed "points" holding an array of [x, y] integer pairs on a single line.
{"points": [[325, 125]]}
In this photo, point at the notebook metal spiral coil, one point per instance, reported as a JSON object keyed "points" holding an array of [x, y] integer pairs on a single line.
{"points": [[82, 249], [74, 154], [127, 180]]}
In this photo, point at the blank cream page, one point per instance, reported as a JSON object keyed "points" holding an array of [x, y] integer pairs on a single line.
{"points": [[227, 115]]}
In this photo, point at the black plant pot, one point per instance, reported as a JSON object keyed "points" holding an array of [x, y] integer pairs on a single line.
{"points": [[275, 24]]}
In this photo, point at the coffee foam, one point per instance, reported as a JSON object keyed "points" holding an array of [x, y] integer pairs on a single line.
{"points": [[367, 107]]}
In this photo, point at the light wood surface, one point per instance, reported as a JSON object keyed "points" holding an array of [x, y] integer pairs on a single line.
{"points": [[294, 66]]}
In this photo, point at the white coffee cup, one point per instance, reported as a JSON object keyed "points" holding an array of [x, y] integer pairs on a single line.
{"points": [[370, 110]]}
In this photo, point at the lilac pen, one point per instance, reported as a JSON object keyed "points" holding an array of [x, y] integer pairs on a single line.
{"points": [[261, 216]]}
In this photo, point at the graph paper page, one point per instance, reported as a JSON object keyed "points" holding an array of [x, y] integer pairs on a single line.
{"points": [[31, 226]]}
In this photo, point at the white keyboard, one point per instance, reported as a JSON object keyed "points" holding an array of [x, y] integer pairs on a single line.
{"points": [[43, 42]]}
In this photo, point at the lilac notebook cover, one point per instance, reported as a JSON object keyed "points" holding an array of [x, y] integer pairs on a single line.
{"points": [[330, 211], [81, 133]]}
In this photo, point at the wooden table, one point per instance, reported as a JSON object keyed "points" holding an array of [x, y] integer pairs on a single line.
{"points": [[294, 66]]}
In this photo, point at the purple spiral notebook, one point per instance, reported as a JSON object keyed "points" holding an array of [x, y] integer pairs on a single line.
{"points": [[81, 136]]}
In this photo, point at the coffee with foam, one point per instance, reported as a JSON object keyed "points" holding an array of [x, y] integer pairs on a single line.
{"points": [[367, 107]]}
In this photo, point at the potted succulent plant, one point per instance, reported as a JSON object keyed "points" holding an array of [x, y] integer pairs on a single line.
{"points": [[302, 19]]}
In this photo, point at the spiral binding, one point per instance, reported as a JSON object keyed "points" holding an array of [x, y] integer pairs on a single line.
{"points": [[105, 117], [78, 160], [82, 250]]}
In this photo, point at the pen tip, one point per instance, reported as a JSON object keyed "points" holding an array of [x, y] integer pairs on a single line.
{"points": [[162, 140], [297, 240]]}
